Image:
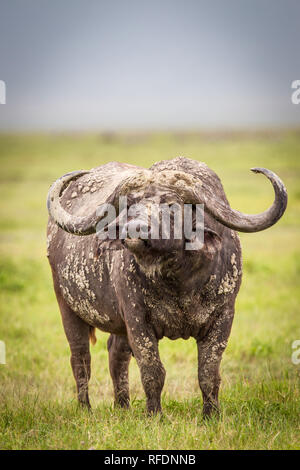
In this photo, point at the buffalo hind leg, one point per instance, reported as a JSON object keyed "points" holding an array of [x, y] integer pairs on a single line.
{"points": [[77, 333], [119, 353], [144, 345], [210, 350]]}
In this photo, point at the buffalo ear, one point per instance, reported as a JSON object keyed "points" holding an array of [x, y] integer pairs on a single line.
{"points": [[212, 242]]}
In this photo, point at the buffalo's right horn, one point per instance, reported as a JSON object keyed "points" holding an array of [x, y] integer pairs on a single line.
{"points": [[70, 223]]}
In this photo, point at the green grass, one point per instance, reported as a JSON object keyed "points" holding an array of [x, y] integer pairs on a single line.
{"points": [[259, 396]]}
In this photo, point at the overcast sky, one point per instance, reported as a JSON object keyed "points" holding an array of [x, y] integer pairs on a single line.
{"points": [[136, 64]]}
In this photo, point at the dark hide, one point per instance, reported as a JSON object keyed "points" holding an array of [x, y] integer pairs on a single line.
{"points": [[140, 292]]}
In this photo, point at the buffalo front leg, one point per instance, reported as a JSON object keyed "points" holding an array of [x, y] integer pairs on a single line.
{"points": [[210, 351], [119, 357], [77, 333], [144, 345]]}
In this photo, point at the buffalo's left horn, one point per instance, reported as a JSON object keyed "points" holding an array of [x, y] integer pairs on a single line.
{"points": [[250, 223], [70, 223]]}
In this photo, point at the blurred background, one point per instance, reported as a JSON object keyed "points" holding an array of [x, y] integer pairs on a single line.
{"points": [[136, 64], [88, 82]]}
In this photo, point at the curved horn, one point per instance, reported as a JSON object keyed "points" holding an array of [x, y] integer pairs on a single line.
{"points": [[251, 223], [70, 223]]}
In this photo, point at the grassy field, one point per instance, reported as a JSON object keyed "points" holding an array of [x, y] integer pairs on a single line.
{"points": [[259, 396]]}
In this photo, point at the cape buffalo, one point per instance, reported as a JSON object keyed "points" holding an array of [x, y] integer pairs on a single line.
{"points": [[142, 289]]}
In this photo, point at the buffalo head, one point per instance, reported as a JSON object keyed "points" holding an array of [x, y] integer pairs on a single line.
{"points": [[154, 245]]}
